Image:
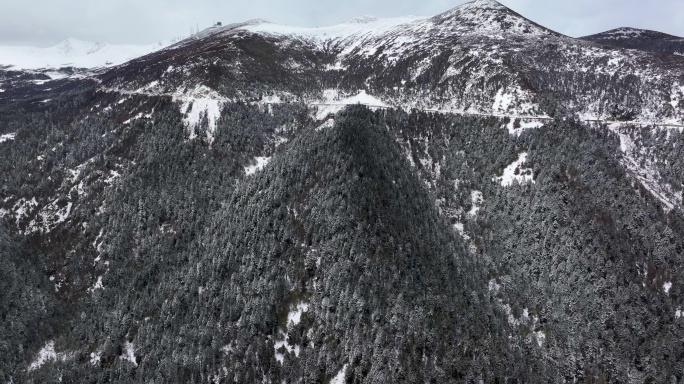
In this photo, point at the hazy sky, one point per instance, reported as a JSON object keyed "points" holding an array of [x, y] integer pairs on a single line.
{"points": [[46, 22]]}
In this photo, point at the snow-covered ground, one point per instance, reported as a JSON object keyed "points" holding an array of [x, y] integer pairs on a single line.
{"points": [[517, 125], [261, 162], [333, 102], [476, 199], [47, 354], [294, 317], [129, 353], [642, 171], [516, 172], [7, 137], [74, 53], [339, 377]]}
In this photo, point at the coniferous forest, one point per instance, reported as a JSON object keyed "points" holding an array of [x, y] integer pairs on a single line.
{"points": [[148, 236]]}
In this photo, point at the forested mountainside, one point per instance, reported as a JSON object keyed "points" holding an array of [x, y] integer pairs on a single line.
{"points": [[641, 39], [195, 215]]}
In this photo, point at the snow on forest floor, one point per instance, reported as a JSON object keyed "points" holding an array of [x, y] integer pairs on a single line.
{"points": [[7, 137], [129, 353], [45, 355], [327, 124], [339, 377], [516, 172], [199, 103], [50, 216], [98, 285], [643, 172], [476, 199], [261, 162], [294, 317], [517, 125], [530, 321]]}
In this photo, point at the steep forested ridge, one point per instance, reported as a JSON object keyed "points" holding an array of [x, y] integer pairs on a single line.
{"points": [[217, 222]]}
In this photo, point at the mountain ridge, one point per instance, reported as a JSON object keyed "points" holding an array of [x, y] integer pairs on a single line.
{"points": [[639, 39]]}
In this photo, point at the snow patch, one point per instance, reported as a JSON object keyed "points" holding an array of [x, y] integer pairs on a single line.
{"points": [[502, 101], [516, 172], [113, 175], [22, 209], [261, 162], [7, 137], [295, 316], [339, 377], [46, 354], [493, 286], [95, 358], [333, 102], [50, 216], [327, 124], [129, 353], [667, 286], [541, 337], [97, 285], [517, 125], [198, 103], [476, 199]]}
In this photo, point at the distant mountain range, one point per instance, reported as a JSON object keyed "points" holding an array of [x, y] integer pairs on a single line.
{"points": [[73, 53]]}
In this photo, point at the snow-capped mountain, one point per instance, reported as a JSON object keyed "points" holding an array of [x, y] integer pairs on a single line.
{"points": [[73, 53], [480, 57]]}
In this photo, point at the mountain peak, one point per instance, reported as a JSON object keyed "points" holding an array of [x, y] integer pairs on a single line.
{"points": [[362, 20], [481, 4], [488, 17], [624, 33]]}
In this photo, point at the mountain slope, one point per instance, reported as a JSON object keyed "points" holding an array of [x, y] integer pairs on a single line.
{"points": [[568, 256], [641, 39], [158, 244], [216, 211]]}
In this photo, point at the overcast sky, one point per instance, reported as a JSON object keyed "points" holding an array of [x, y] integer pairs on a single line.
{"points": [[46, 22]]}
